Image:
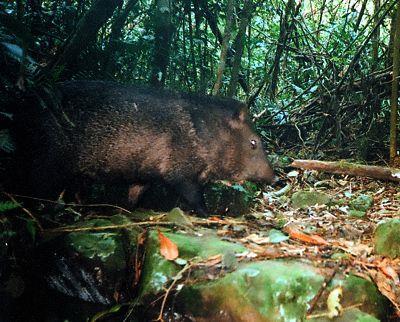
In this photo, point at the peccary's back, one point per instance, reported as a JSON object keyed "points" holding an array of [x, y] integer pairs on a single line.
{"points": [[124, 131]]}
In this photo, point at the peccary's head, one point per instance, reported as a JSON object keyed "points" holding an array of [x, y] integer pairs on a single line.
{"points": [[244, 157]]}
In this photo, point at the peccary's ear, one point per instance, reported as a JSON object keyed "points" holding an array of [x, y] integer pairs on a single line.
{"points": [[239, 117]]}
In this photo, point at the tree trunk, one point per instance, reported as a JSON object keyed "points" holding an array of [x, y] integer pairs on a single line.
{"points": [[115, 35], [212, 21], [321, 15], [395, 89], [376, 36], [389, 58], [238, 47], [163, 32], [360, 15], [191, 43], [85, 33], [283, 34], [346, 168], [224, 46]]}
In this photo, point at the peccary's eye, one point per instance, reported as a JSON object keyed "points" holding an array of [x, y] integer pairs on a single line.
{"points": [[253, 144]]}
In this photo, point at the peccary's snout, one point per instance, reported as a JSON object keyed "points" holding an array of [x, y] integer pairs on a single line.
{"points": [[267, 174]]}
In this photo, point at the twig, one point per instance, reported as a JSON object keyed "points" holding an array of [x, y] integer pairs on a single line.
{"points": [[26, 211], [176, 278], [69, 229], [73, 204], [99, 228], [316, 298], [324, 314]]}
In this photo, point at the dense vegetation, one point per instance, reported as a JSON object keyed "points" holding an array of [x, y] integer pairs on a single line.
{"points": [[316, 74], [317, 77]]}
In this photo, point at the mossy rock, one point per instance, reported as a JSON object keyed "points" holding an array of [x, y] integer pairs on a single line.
{"points": [[387, 238], [89, 265], [357, 213], [158, 272], [277, 291], [362, 203], [305, 199]]}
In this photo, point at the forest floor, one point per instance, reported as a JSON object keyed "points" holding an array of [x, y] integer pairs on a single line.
{"points": [[334, 234], [328, 235]]}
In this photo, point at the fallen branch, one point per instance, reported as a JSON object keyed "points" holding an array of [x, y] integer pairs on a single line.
{"points": [[347, 168]]}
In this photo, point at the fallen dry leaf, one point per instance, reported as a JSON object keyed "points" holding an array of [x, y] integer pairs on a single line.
{"points": [[167, 247], [389, 271], [333, 302], [254, 238], [216, 219], [295, 233], [385, 287], [213, 260]]}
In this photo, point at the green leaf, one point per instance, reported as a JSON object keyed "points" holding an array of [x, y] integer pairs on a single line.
{"points": [[276, 236], [103, 314]]}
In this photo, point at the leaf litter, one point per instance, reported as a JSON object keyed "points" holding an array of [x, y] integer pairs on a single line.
{"points": [[327, 235]]}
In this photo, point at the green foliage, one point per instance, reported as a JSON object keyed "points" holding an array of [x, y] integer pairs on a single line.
{"points": [[8, 205], [327, 49], [92, 245]]}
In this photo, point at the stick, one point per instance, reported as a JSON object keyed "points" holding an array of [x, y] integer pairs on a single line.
{"points": [[353, 169]]}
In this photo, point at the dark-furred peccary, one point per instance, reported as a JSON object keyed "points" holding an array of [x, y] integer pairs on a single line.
{"points": [[119, 134]]}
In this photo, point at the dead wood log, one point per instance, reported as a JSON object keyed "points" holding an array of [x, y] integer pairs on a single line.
{"points": [[347, 168]]}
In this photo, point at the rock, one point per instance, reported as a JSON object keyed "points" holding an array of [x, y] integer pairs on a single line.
{"points": [[304, 199], [348, 315], [387, 238], [89, 265], [177, 216], [276, 291], [362, 203], [92, 270], [158, 272], [357, 213]]}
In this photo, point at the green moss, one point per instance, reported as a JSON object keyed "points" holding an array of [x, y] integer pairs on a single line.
{"points": [[264, 291], [357, 213], [340, 256], [108, 245], [359, 290], [348, 166], [157, 271], [278, 291], [352, 315], [387, 238], [304, 199], [203, 246], [362, 203]]}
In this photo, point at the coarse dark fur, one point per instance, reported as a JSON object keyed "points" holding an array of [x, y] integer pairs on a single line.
{"points": [[118, 134]]}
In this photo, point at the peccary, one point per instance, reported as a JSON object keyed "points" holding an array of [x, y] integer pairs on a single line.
{"points": [[119, 134]]}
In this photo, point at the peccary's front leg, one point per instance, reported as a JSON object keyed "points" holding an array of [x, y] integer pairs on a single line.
{"points": [[192, 192]]}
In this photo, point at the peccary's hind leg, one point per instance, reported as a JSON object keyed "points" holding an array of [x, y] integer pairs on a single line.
{"points": [[193, 194], [135, 192]]}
